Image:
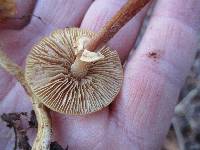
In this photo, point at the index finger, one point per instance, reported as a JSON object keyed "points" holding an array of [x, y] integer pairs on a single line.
{"points": [[155, 74], [101, 11]]}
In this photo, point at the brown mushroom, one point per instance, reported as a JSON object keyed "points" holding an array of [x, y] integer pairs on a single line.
{"points": [[7, 9], [67, 86]]}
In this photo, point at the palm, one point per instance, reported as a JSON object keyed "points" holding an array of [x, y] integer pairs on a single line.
{"points": [[140, 116]]}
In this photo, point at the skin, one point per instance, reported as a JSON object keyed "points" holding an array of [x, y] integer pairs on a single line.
{"points": [[140, 116]]}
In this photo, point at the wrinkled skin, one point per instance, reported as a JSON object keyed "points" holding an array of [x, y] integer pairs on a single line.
{"points": [[140, 116]]}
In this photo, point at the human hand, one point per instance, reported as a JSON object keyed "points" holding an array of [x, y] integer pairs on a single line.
{"points": [[140, 116]]}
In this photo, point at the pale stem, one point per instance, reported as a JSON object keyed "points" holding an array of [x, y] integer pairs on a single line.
{"points": [[44, 133], [79, 68], [128, 11], [43, 137]]}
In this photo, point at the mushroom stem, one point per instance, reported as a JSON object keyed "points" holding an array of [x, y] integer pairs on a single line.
{"points": [[79, 68], [42, 140], [15, 70], [43, 137], [128, 11]]}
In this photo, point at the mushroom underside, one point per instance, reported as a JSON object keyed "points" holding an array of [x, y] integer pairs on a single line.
{"points": [[49, 76]]}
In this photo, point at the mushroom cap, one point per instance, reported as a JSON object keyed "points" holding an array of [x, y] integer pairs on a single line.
{"points": [[7, 9], [48, 74]]}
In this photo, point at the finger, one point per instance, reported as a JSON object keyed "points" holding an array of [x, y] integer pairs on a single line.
{"points": [[101, 11], [61, 14], [155, 74]]}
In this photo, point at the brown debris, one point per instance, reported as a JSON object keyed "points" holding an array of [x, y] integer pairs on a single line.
{"points": [[33, 120], [13, 120], [23, 140], [55, 146], [153, 55]]}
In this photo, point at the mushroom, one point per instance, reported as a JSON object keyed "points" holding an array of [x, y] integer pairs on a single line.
{"points": [[69, 85], [73, 71], [7, 9], [16, 14]]}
